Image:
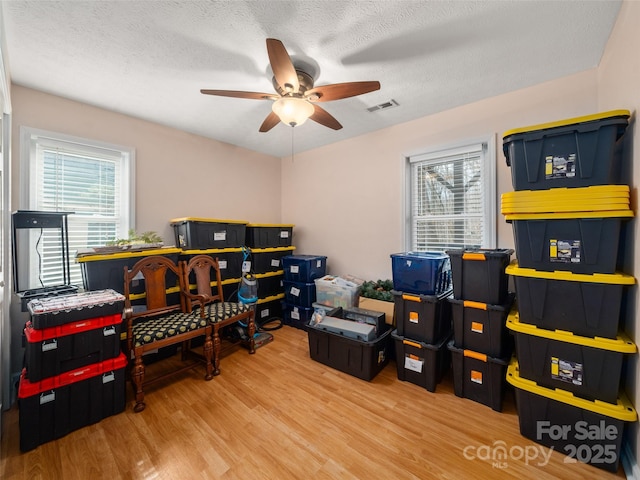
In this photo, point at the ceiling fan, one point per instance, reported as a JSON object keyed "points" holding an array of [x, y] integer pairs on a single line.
{"points": [[297, 98]]}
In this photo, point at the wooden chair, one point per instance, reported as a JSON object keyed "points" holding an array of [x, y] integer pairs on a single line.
{"points": [[164, 322], [204, 271]]}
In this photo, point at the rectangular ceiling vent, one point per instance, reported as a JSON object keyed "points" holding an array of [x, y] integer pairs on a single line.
{"points": [[383, 106]]}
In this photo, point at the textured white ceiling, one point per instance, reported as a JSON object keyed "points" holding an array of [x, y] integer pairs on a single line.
{"points": [[149, 59]]}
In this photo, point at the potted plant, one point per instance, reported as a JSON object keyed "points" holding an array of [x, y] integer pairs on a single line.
{"points": [[377, 296]]}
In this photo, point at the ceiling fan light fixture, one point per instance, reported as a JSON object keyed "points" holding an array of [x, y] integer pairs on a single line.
{"points": [[292, 110]]}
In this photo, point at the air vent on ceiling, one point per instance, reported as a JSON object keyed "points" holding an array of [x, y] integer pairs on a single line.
{"points": [[382, 106]]}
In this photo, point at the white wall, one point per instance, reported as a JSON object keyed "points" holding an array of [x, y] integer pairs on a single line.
{"points": [[619, 87], [177, 174], [346, 199]]}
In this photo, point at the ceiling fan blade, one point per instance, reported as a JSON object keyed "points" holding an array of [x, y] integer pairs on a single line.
{"points": [[337, 91], [282, 66], [239, 94], [321, 116], [269, 122]]}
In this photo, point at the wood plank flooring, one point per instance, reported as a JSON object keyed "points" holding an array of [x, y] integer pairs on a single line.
{"points": [[280, 415]]}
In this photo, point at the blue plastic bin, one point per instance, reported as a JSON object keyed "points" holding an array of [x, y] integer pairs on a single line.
{"points": [[423, 273]]}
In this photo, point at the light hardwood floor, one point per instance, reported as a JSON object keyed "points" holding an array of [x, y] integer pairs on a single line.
{"points": [[280, 415]]}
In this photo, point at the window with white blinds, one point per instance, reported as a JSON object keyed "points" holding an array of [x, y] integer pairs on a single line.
{"points": [[90, 179], [452, 199]]}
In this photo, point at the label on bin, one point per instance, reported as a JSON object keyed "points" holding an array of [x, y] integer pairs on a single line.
{"points": [[275, 262], [295, 291], [413, 317], [220, 236], [264, 313], [222, 264], [294, 269], [284, 233], [566, 371], [477, 327], [295, 314], [47, 397], [413, 363], [558, 166], [564, 251], [476, 377]]}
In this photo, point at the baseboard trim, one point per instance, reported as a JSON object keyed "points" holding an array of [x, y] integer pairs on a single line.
{"points": [[629, 463]]}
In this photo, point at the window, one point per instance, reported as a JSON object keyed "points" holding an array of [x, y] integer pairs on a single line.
{"points": [[452, 198], [92, 180]]}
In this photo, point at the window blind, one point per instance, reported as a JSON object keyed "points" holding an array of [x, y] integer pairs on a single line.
{"points": [[92, 182], [448, 199]]}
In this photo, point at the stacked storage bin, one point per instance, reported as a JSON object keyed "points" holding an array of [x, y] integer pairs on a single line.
{"points": [[422, 285], [300, 273], [74, 369], [481, 345], [269, 243], [221, 239], [566, 211]]}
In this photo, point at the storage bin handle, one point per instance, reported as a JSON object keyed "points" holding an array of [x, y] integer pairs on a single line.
{"points": [[413, 344], [473, 256], [478, 356], [472, 304], [411, 298]]}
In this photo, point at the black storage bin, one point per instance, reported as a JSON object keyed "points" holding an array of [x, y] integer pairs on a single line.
{"points": [[580, 242], [266, 260], [54, 311], [481, 327], [584, 430], [268, 309], [423, 318], [268, 235], [106, 271], [203, 233], [421, 363], [55, 350], [229, 261], [588, 367], [587, 305], [270, 284], [56, 406], [478, 274], [360, 359], [576, 152], [478, 377]]}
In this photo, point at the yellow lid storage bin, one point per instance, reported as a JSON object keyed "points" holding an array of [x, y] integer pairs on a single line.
{"points": [[575, 152], [193, 233], [267, 235], [103, 271], [587, 305], [577, 242], [588, 431], [229, 260], [589, 367], [269, 259]]}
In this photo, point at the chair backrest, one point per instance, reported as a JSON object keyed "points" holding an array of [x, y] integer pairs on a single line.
{"points": [[153, 270], [200, 272]]}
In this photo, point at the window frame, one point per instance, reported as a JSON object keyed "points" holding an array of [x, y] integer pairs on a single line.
{"points": [[29, 139], [488, 143]]}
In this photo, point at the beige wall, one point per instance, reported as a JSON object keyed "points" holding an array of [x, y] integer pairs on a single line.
{"points": [[347, 199], [619, 87], [177, 174]]}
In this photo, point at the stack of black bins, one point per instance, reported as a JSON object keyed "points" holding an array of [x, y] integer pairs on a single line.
{"points": [[218, 238], [481, 345], [74, 371], [422, 284], [269, 243], [300, 271], [567, 211]]}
